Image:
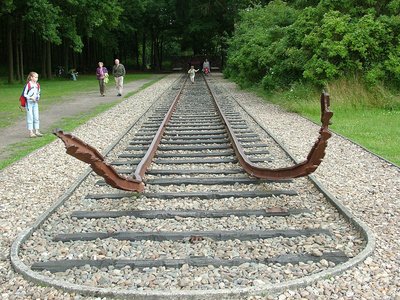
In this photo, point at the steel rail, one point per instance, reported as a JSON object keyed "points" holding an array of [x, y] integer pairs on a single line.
{"points": [[42, 279], [148, 157], [304, 168], [88, 154]]}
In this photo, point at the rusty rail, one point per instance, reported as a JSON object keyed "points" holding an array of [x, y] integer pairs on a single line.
{"points": [[86, 153], [148, 157], [304, 168]]}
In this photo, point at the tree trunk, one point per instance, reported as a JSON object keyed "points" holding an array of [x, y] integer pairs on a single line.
{"points": [[10, 51], [73, 66], [17, 58], [48, 61], [88, 48], [66, 56], [160, 52], [21, 51], [44, 49], [136, 49], [144, 51], [152, 63]]}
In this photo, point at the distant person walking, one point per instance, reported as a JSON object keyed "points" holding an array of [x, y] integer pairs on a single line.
{"points": [[102, 77], [119, 73], [192, 73], [32, 96], [206, 67]]}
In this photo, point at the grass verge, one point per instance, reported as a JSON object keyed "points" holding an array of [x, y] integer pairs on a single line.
{"points": [[144, 86], [53, 92], [369, 117], [20, 150], [24, 148]]}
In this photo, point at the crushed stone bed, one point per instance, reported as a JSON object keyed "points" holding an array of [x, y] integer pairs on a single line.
{"points": [[32, 185]]}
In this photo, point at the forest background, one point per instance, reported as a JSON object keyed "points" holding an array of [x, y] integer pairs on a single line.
{"points": [[287, 51], [144, 34]]}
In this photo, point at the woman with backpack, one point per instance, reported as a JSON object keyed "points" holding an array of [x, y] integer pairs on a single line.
{"points": [[32, 96]]}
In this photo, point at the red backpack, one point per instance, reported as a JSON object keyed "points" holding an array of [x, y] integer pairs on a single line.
{"points": [[22, 99]]}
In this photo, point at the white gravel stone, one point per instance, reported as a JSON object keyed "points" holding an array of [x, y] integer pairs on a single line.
{"points": [[367, 185], [32, 184]]}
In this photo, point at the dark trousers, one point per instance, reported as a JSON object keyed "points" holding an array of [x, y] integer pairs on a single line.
{"points": [[102, 86]]}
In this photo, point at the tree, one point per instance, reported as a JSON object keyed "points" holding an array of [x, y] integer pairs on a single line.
{"points": [[79, 33], [283, 43]]}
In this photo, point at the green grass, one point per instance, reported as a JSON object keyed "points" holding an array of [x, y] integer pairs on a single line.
{"points": [[53, 92], [369, 117], [24, 148], [9, 95], [142, 87], [376, 129]]}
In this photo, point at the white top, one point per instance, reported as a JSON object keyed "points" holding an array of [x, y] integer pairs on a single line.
{"points": [[32, 91]]}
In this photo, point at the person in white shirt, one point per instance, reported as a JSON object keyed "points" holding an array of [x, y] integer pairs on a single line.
{"points": [[192, 73]]}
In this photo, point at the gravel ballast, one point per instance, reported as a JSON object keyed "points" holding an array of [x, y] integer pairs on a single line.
{"points": [[364, 183]]}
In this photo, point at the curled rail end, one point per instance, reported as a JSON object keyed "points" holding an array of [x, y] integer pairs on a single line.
{"points": [[88, 154], [308, 166], [317, 152]]}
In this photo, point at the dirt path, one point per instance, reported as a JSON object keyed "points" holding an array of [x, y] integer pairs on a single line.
{"points": [[71, 106]]}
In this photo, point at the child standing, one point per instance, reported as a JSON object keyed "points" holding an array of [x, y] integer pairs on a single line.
{"points": [[192, 72], [32, 96]]}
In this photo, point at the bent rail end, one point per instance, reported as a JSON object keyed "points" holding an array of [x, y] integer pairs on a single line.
{"points": [[88, 154]]}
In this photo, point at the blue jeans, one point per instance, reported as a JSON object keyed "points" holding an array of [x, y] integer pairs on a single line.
{"points": [[32, 115]]}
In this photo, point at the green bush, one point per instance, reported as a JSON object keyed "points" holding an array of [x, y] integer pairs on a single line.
{"points": [[257, 44], [279, 44]]}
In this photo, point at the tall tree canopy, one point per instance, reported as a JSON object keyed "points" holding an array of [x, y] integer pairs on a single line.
{"points": [[44, 34], [274, 43], [317, 41]]}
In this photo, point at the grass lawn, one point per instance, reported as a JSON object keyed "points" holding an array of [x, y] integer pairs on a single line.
{"points": [[22, 149], [376, 129], [52, 90]]}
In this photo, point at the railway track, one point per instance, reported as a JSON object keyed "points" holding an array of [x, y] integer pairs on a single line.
{"points": [[200, 226]]}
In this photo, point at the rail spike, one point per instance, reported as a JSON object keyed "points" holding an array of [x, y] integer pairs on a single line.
{"points": [[86, 153]]}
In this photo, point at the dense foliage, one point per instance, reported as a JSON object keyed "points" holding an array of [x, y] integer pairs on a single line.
{"points": [[281, 43], [274, 43], [44, 34]]}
